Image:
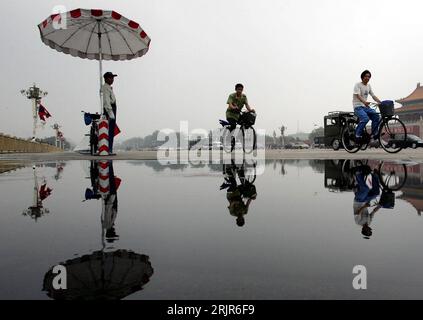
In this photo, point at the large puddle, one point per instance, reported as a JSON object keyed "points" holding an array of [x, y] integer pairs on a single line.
{"points": [[273, 230]]}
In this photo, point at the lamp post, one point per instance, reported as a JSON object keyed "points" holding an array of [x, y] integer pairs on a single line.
{"points": [[37, 210], [56, 128], [283, 130], [34, 94]]}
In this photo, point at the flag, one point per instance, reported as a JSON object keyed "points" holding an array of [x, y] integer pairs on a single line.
{"points": [[43, 113], [45, 192], [117, 130]]}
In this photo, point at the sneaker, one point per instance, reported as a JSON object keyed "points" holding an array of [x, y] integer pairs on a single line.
{"points": [[358, 140]]}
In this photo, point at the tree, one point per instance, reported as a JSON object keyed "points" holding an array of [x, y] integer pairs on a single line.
{"points": [[318, 132]]}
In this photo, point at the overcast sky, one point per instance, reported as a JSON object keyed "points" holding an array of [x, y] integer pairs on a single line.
{"points": [[297, 59]]}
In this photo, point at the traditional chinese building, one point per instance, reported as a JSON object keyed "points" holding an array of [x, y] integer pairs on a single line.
{"points": [[411, 111]]}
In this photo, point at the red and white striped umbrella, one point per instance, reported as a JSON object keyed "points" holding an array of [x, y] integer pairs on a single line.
{"points": [[95, 34]]}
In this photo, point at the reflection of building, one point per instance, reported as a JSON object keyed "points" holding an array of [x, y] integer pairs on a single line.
{"points": [[412, 192], [411, 111]]}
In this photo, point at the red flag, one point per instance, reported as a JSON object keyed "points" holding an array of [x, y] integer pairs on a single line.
{"points": [[117, 130], [118, 181], [43, 113], [45, 192]]}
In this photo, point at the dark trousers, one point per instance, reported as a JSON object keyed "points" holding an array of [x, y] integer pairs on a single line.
{"points": [[112, 126], [232, 127], [232, 124]]}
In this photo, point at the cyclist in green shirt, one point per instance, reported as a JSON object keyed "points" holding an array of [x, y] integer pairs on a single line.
{"points": [[236, 102]]}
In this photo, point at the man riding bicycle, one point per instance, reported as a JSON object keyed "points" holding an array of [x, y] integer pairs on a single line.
{"points": [[362, 108], [236, 102]]}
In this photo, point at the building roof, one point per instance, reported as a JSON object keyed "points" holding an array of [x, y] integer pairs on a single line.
{"points": [[416, 95], [409, 108]]}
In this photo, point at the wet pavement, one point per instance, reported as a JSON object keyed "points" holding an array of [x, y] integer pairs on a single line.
{"points": [[274, 229], [206, 155]]}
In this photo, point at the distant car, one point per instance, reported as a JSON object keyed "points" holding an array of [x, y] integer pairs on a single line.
{"points": [[302, 145], [319, 142], [297, 145], [411, 142]]}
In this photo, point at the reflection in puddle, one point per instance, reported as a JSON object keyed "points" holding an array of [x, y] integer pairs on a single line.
{"points": [[240, 195], [307, 222], [104, 274], [101, 276], [373, 184]]}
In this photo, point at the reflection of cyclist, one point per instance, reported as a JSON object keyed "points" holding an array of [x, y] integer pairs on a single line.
{"points": [[361, 106], [365, 191], [239, 196]]}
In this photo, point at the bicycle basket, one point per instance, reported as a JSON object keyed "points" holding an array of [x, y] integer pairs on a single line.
{"points": [[249, 191], [387, 108], [248, 119], [387, 200], [87, 119]]}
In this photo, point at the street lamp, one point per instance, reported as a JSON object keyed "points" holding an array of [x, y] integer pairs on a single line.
{"points": [[283, 130], [56, 128], [37, 209], [34, 94]]}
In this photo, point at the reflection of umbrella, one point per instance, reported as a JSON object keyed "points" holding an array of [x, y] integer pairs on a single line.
{"points": [[102, 276], [95, 35]]}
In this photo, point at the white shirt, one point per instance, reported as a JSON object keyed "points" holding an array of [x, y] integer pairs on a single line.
{"points": [[108, 98], [362, 217], [364, 91]]}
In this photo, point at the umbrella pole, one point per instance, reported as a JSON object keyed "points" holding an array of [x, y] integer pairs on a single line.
{"points": [[100, 50]]}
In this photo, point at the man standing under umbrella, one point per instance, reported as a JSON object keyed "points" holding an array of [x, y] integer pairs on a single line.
{"points": [[109, 107]]}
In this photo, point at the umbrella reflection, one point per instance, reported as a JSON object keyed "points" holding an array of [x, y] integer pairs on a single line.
{"points": [[240, 195], [104, 274]]}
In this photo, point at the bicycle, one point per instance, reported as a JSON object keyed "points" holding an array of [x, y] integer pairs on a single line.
{"points": [[93, 120], [246, 122], [392, 133], [392, 176]]}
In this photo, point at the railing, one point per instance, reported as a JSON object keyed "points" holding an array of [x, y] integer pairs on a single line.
{"points": [[9, 144]]}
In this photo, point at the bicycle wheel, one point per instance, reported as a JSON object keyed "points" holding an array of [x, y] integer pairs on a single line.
{"points": [[93, 141], [392, 176], [227, 140], [252, 174], [348, 138], [392, 135], [250, 136]]}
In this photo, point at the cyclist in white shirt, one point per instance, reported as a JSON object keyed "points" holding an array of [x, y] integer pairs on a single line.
{"points": [[361, 106]]}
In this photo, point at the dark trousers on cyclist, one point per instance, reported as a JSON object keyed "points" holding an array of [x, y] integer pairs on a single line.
{"points": [[232, 126], [112, 126], [365, 114]]}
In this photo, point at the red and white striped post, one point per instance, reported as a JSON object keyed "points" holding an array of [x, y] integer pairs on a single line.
{"points": [[103, 137], [104, 181]]}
